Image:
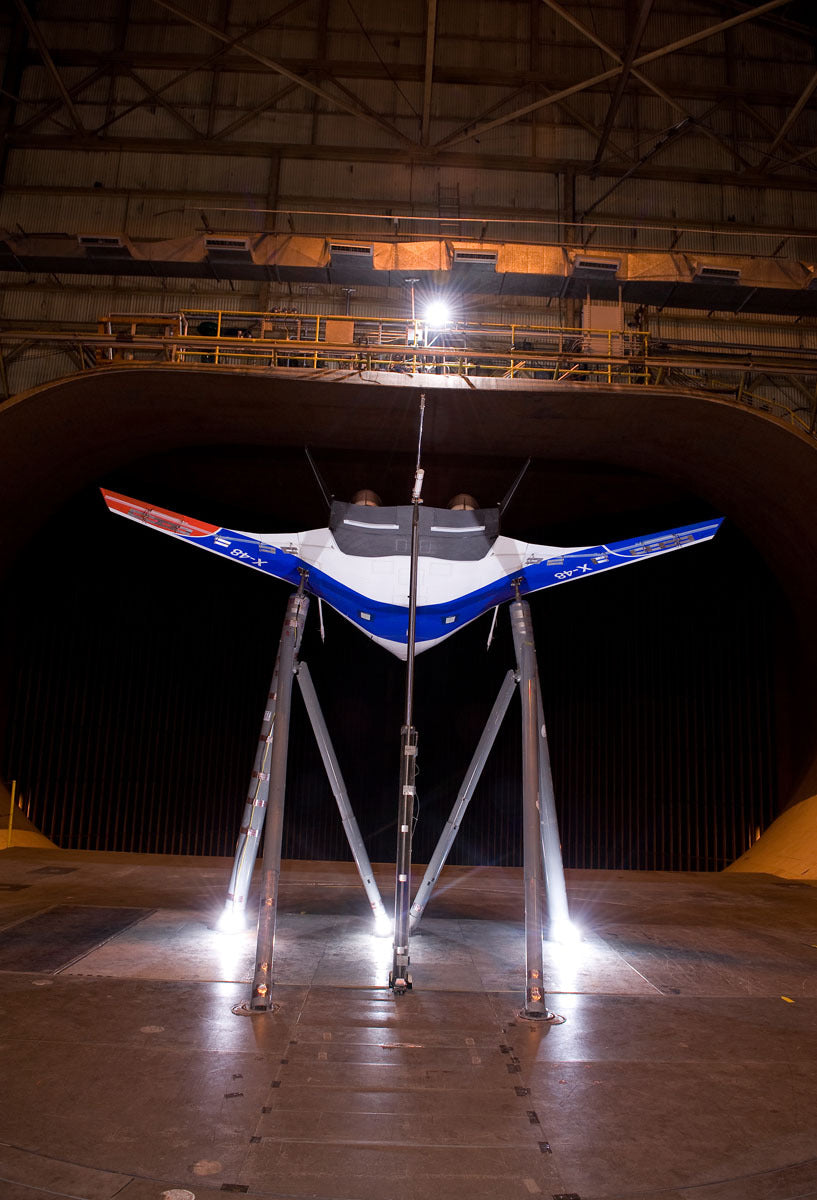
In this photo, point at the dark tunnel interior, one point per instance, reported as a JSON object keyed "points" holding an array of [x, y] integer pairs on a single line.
{"points": [[136, 670]]}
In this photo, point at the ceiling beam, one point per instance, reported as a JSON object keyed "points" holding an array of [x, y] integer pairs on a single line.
{"points": [[45, 55], [801, 103], [400, 157], [155, 98], [482, 76], [246, 117], [355, 109], [623, 79], [647, 83], [478, 128], [431, 38]]}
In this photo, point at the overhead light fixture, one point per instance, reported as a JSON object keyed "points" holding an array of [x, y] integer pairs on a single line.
{"points": [[437, 314]]}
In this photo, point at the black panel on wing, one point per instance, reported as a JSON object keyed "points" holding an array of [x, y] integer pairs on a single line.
{"points": [[378, 532]]}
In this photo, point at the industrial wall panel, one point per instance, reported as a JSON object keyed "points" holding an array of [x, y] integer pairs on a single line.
{"points": [[484, 19], [701, 327], [154, 121], [378, 19], [347, 130], [701, 202], [280, 44], [39, 365], [166, 218], [385, 98], [764, 73], [337, 181], [193, 172], [37, 86], [87, 308], [163, 34], [248, 90], [452, 101], [276, 125], [70, 168], [564, 142], [349, 45], [98, 31], [91, 213]]}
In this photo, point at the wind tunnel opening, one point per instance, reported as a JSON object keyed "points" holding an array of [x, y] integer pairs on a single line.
{"points": [[135, 693]]}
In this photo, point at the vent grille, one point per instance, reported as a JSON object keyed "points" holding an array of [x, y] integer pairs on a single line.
{"points": [[347, 250], [227, 250], [103, 246], [596, 268], [730, 275], [476, 258], [219, 243]]}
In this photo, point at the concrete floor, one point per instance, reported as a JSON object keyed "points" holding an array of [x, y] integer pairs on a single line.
{"points": [[685, 1069]]}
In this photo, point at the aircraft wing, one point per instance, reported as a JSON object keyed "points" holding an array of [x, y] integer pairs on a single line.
{"points": [[371, 590], [277, 554], [532, 568]]}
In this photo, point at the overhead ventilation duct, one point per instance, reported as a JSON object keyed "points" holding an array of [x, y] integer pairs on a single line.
{"points": [[103, 247], [728, 276]]}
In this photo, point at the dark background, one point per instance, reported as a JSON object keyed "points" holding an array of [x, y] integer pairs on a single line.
{"points": [[137, 670]]}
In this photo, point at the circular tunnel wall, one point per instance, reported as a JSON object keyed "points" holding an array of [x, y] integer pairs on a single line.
{"points": [[761, 475]]}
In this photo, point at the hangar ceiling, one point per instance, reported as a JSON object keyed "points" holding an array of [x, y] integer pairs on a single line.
{"points": [[237, 110]]}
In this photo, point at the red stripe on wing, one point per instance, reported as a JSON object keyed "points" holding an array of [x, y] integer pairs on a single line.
{"points": [[159, 518]]}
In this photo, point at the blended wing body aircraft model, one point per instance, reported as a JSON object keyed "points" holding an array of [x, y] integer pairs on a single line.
{"points": [[359, 563]]}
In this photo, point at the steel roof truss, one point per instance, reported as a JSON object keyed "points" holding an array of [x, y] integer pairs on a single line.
{"points": [[477, 128]]}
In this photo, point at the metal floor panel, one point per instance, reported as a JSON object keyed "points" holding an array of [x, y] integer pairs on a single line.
{"points": [[52, 940], [685, 1069]]}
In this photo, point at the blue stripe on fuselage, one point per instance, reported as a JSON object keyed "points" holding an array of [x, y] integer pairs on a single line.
{"points": [[390, 621]]}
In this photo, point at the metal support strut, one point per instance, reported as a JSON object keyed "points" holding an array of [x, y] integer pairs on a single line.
{"points": [[246, 849], [469, 783], [347, 816], [555, 889], [261, 997], [535, 1000]]}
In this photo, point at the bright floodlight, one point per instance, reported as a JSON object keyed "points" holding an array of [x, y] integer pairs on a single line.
{"points": [[565, 932], [231, 920], [437, 314], [382, 926]]}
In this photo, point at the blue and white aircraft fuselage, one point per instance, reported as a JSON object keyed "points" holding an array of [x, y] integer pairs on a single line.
{"points": [[360, 563]]}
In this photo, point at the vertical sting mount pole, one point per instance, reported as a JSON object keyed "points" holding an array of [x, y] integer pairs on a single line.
{"points": [[399, 977], [261, 997], [535, 1000]]}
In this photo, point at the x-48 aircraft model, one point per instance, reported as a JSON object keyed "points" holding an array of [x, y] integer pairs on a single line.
{"points": [[408, 577], [359, 563]]}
